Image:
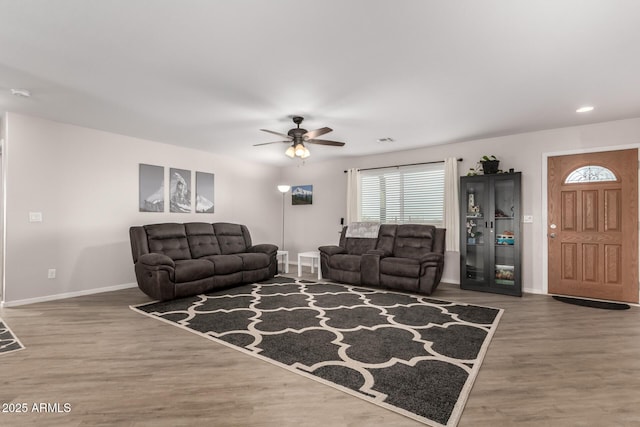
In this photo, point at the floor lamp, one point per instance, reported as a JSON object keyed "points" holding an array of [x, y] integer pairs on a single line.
{"points": [[283, 189]]}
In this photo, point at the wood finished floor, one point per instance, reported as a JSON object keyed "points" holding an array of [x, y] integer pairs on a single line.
{"points": [[549, 364]]}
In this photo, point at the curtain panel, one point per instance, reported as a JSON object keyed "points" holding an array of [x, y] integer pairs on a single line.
{"points": [[452, 204]]}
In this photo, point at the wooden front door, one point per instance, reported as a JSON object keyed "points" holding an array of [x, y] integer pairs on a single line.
{"points": [[593, 225]]}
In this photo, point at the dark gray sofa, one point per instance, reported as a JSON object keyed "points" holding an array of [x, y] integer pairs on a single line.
{"points": [[406, 257], [178, 260]]}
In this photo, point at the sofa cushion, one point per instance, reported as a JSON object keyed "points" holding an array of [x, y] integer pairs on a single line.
{"points": [[404, 267], [231, 238], [225, 264], [413, 240], [345, 262], [202, 240], [188, 270], [386, 238], [254, 261], [168, 239], [359, 246]]}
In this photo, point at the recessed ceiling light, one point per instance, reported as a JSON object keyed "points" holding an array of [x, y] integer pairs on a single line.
{"points": [[21, 92], [584, 109]]}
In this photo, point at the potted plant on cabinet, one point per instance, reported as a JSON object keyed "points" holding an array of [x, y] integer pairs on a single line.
{"points": [[489, 164]]}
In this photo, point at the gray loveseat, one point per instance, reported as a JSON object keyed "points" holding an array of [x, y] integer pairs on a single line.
{"points": [[178, 260], [406, 257]]}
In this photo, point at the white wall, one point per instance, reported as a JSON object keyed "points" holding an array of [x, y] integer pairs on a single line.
{"points": [[85, 183], [311, 226]]}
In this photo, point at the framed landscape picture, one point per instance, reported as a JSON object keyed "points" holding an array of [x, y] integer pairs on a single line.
{"points": [[204, 192], [151, 188], [180, 190], [302, 194]]}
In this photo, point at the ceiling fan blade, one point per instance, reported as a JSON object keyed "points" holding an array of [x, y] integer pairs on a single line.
{"points": [[277, 133], [274, 142], [325, 142], [315, 133]]}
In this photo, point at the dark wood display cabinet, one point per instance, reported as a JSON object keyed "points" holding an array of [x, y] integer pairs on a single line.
{"points": [[490, 233]]}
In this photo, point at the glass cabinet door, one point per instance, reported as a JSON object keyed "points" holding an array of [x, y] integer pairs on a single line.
{"points": [[505, 231], [477, 241]]}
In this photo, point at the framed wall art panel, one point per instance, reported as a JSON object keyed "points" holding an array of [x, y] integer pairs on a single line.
{"points": [[180, 190], [204, 192], [302, 194], [151, 188]]}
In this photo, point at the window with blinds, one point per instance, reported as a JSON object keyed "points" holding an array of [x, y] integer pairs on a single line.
{"points": [[403, 195]]}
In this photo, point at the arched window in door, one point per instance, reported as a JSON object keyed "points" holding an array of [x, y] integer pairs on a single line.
{"points": [[590, 173]]}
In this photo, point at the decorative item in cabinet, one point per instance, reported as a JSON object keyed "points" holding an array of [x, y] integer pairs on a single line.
{"points": [[506, 238], [474, 236], [504, 274], [473, 210]]}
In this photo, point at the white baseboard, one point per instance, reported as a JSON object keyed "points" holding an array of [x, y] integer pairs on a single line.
{"points": [[451, 281], [68, 295], [528, 290]]}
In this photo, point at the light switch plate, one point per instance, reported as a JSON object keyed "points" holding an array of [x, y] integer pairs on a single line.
{"points": [[35, 216], [527, 219]]}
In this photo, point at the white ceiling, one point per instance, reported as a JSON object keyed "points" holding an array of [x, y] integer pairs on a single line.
{"points": [[208, 74]]}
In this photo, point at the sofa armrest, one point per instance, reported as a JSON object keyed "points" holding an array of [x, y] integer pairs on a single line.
{"points": [[266, 248], [432, 258], [380, 253], [332, 250], [156, 260]]}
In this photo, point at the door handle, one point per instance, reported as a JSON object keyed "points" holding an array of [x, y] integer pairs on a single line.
{"points": [[552, 235]]}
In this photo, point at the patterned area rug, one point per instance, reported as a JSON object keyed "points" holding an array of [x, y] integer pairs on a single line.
{"points": [[411, 354], [8, 341]]}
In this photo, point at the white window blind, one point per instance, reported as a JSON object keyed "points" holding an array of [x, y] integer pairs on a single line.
{"points": [[405, 194]]}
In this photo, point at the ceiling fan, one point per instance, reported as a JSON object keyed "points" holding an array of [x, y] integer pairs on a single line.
{"points": [[297, 137]]}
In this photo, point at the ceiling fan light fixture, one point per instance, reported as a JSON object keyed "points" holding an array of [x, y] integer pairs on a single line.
{"points": [[299, 150], [291, 152], [298, 137]]}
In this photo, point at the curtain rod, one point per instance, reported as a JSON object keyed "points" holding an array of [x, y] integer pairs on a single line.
{"points": [[408, 164]]}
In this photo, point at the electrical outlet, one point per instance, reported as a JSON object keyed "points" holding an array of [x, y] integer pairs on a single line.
{"points": [[51, 273]]}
